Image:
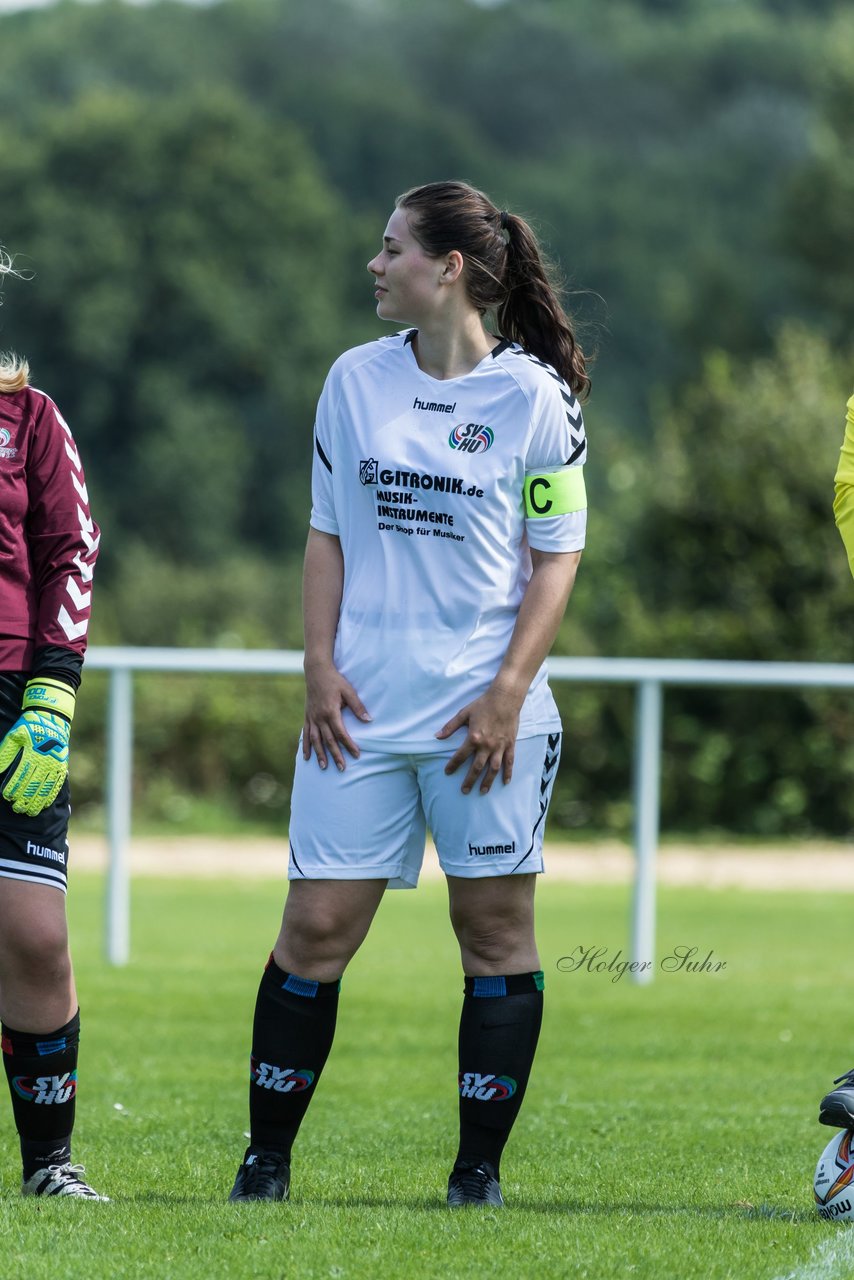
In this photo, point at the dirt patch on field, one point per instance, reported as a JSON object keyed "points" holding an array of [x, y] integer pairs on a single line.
{"points": [[814, 866]]}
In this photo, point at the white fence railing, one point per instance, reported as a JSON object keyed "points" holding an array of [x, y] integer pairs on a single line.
{"points": [[649, 675]]}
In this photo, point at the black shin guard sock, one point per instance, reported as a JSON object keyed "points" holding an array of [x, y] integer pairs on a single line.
{"points": [[499, 1029], [291, 1038], [42, 1075]]}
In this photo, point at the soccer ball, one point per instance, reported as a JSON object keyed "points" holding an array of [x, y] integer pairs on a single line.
{"points": [[834, 1178]]}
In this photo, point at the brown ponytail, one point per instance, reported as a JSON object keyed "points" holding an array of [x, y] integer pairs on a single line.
{"points": [[505, 271]]}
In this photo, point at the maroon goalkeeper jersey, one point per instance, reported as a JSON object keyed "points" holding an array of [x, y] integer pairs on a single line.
{"points": [[48, 540]]}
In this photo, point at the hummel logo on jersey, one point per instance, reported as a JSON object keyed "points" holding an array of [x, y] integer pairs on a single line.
{"points": [[5, 442], [486, 1088], [42, 851], [46, 1089], [485, 850], [471, 437], [280, 1079], [368, 470], [433, 406]]}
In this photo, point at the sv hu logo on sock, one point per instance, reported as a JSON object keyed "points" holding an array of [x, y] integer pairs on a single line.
{"points": [[486, 1088], [46, 1089], [280, 1079]]}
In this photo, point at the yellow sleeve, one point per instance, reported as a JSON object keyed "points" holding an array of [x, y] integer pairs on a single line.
{"points": [[843, 503]]}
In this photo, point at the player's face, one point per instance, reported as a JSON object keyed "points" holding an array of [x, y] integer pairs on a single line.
{"points": [[408, 280]]}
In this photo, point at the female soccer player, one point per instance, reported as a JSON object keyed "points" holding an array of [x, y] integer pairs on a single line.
{"points": [[447, 522], [48, 546]]}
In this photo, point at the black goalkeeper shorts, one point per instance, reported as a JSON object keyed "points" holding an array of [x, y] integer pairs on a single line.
{"points": [[31, 849]]}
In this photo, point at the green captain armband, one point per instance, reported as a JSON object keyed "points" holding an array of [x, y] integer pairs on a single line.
{"points": [[555, 493]]}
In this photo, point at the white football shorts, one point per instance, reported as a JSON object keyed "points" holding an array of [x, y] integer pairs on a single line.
{"points": [[370, 822]]}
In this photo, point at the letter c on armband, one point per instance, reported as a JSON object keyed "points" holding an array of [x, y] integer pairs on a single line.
{"points": [[555, 493]]}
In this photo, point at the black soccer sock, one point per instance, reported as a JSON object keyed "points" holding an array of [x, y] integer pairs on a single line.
{"points": [[291, 1038], [499, 1029], [42, 1075]]}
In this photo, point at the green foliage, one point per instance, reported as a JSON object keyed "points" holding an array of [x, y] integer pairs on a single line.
{"points": [[739, 512], [738, 557], [171, 241], [236, 601], [819, 212], [210, 752], [630, 132]]}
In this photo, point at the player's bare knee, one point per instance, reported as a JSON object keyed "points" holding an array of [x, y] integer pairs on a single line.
{"points": [[320, 938], [36, 958], [470, 918], [492, 942]]}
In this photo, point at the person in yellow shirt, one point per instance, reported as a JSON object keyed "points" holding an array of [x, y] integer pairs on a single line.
{"points": [[837, 1108], [843, 503]]}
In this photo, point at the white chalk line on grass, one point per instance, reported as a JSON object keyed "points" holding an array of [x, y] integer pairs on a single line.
{"points": [[832, 1260]]}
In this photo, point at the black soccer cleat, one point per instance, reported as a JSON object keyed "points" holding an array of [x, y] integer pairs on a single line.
{"points": [[264, 1175], [473, 1184], [837, 1107]]}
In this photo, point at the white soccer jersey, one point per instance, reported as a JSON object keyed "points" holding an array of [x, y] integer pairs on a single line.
{"points": [[422, 480]]}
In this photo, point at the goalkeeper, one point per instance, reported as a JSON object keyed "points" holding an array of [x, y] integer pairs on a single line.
{"points": [[48, 546]]}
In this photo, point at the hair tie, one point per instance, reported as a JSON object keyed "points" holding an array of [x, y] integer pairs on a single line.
{"points": [[504, 218]]}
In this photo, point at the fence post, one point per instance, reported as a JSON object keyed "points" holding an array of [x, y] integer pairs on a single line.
{"points": [[119, 769], [647, 788]]}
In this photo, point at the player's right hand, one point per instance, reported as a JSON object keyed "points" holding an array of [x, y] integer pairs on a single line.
{"points": [[327, 693]]}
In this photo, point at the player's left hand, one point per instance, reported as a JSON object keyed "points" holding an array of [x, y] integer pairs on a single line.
{"points": [[493, 722], [38, 744]]}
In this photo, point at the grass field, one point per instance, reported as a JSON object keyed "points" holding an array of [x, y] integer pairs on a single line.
{"points": [[669, 1131]]}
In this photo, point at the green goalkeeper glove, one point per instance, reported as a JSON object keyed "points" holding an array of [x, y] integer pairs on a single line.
{"points": [[38, 740]]}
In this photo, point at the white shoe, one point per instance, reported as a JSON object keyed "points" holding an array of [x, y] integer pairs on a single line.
{"points": [[60, 1180]]}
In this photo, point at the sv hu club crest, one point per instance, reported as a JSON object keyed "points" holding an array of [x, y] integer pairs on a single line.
{"points": [[471, 437]]}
